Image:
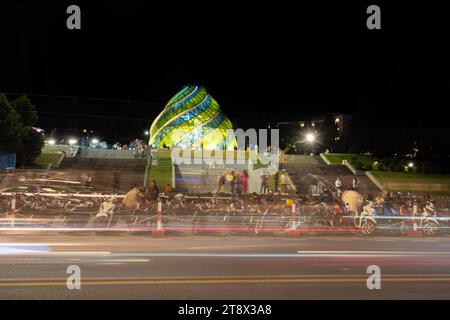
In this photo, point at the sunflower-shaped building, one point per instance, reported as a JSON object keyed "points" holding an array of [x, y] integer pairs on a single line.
{"points": [[192, 119]]}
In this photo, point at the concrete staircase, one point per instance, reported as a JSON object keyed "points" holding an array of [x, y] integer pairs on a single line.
{"points": [[108, 174], [104, 164], [201, 177], [309, 170], [106, 153]]}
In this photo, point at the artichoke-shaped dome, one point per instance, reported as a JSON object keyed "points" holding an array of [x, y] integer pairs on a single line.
{"points": [[192, 119]]}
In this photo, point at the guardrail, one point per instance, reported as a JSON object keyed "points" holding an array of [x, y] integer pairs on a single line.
{"points": [[376, 182], [349, 166], [61, 194], [325, 159]]}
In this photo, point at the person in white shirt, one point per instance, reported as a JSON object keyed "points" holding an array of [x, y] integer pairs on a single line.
{"points": [[338, 183], [355, 183]]}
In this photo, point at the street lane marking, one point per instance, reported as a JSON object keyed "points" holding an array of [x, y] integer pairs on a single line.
{"points": [[244, 246], [55, 253], [16, 244], [373, 252], [411, 275], [224, 280], [297, 254]]}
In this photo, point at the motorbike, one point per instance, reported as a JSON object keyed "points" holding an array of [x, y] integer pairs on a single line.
{"points": [[239, 220], [383, 219], [105, 216], [365, 220], [424, 221], [79, 206]]}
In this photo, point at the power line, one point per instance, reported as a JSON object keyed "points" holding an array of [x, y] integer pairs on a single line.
{"points": [[84, 98], [93, 116]]}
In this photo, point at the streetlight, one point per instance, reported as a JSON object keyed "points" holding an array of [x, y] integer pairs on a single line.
{"points": [[411, 165], [94, 141], [310, 138], [146, 133]]}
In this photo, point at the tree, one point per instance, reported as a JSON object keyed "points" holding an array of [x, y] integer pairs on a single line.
{"points": [[26, 111], [289, 138], [16, 129], [10, 127], [32, 143]]}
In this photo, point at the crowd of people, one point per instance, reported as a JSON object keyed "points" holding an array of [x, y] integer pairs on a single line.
{"points": [[140, 148], [282, 184], [138, 194], [235, 182], [326, 196]]}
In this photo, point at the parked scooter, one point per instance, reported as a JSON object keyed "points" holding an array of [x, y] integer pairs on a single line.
{"points": [[105, 215], [428, 222], [365, 221]]}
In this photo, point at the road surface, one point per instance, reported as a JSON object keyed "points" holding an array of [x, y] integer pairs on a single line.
{"points": [[223, 267]]}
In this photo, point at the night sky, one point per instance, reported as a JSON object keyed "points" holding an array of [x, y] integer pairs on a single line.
{"points": [[263, 63]]}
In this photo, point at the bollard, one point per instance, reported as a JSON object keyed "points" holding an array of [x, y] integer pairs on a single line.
{"points": [[159, 231], [414, 232], [414, 218], [293, 215], [13, 211], [293, 232]]}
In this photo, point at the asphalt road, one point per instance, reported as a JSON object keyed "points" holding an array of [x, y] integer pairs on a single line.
{"points": [[223, 267]]}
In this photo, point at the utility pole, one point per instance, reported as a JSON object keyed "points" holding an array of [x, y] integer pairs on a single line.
{"points": [[149, 164]]}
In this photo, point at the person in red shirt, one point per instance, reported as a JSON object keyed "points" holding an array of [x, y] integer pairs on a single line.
{"points": [[244, 181]]}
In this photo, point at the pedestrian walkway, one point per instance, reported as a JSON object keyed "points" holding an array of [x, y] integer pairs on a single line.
{"points": [[305, 171]]}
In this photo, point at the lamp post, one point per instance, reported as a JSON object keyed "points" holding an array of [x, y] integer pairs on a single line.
{"points": [[149, 160], [310, 138]]}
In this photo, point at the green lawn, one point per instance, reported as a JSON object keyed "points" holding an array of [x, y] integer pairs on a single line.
{"points": [[414, 182], [336, 158], [411, 177], [44, 159], [162, 173], [55, 149], [396, 181]]}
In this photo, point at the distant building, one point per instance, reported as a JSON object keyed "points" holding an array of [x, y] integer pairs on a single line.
{"points": [[334, 124], [340, 121]]}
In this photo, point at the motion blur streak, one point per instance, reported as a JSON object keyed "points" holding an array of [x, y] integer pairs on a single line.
{"points": [[260, 230], [226, 267]]}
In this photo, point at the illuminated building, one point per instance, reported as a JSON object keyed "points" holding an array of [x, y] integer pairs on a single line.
{"points": [[192, 119]]}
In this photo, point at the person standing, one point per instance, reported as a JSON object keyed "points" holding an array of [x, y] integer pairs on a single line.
{"points": [[220, 183], [264, 185], [355, 183], [329, 199], [338, 183], [244, 181], [88, 180], [152, 193], [232, 180], [283, 183], [275, 178], [237, 183], [324, 195]]}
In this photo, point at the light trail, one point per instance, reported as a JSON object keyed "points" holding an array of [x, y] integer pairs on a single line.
{"points": [[63, 194], [150, 229], [312, 278]]}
